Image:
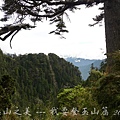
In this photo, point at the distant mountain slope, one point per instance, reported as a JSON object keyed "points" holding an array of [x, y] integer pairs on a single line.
{"points": [[84, 65]]}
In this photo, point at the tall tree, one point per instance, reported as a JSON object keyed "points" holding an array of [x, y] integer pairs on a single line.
{"points": [[112, 28], [54, 11]]}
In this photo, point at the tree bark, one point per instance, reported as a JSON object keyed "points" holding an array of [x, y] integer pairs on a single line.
{"points": [[112, 29]]}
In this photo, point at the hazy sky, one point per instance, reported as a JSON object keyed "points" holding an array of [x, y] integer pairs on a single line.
{"points": [[81, 41]]}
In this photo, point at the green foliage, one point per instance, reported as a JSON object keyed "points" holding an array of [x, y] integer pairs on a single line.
{"points": [[94, 76], [101, 91], [66, 74], [77, 97], [103, 66], [116, 63], [7, 89], [108, 94]]}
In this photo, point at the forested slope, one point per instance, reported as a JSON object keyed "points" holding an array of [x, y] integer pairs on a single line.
{"points": [[38, 77]]}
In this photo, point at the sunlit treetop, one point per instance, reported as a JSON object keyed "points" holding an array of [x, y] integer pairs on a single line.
{"points": [[37, 11]]}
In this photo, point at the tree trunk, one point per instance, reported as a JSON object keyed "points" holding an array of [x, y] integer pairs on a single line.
{"points": [[112, 29]]}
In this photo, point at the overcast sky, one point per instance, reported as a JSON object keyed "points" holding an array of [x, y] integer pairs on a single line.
{"points": [[81, 41]]}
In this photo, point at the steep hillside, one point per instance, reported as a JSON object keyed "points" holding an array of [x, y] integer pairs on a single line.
{"points": [[38, 77]]}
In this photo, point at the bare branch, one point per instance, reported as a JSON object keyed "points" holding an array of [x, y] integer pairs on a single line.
{"points": [[12, 37], [6, 36], [9, 30], [97, 19]]}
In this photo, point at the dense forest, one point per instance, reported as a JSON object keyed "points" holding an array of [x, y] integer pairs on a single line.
{"points": [[38, 77], [39, 86]]}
